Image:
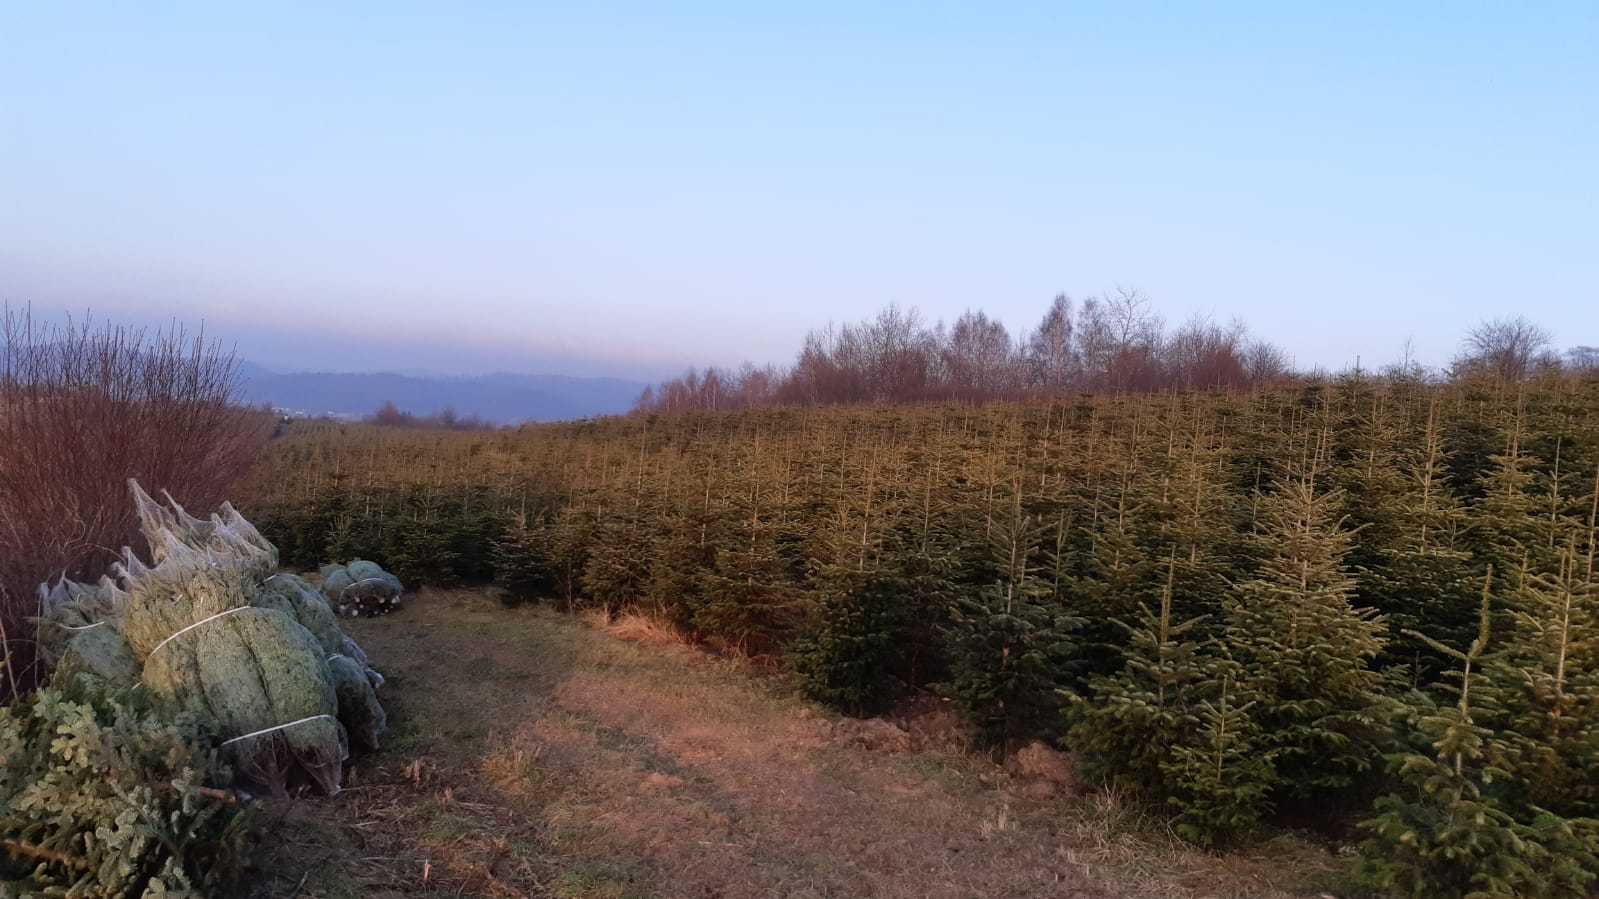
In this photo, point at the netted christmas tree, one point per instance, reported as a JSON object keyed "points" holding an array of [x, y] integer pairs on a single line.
{"points": [[212, 631]]}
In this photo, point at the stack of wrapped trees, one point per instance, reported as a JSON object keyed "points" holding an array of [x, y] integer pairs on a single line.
{"points": [[361, 588], [212, 629]]}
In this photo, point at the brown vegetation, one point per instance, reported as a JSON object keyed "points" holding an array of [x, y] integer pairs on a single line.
{"points": [[1111, 344], [1114, 343], [84, 407]]}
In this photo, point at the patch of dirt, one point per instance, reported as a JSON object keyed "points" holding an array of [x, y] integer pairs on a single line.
{"points": [[536, 755]]}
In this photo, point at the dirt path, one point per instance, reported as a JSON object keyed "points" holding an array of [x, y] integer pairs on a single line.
{"points": [[534, 754]]}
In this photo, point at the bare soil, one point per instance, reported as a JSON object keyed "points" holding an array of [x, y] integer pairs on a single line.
{"points": [[539, 754]]}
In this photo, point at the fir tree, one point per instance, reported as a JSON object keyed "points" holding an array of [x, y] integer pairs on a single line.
{"points": [[1305, 649], [1413, 570], [1505, 527], [1546, 688], [1011, 648], [1453, 829], [1125, 725], [615, 569], [1220, 776], [421, 546], [858, 653], [571, 539], [679, 553], [521, 561]]}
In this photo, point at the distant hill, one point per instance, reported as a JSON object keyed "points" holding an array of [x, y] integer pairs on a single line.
{"points": [[501, 398]]}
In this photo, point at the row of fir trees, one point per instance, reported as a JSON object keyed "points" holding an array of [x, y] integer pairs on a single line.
{"points": [[1361, 602]]}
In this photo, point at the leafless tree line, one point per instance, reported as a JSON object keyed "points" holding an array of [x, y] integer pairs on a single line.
{"points": [[446, 419], [1514, 349], [1116, 343], [84, 407]]}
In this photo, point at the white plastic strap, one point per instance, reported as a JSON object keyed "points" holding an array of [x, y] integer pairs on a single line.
{"points": [[267, 730], [365, 580], [195, 625], [74, 627]]}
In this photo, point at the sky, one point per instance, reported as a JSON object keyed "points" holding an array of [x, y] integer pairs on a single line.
{"points": [[629, 189]]}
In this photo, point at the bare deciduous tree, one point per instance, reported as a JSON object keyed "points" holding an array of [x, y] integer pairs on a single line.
{"points": [[1111, 343], [978, 362], [1506, 348], [1052, 363], [1583, 359]]}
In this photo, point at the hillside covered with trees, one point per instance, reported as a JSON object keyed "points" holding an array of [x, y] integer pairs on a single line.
{"points": [[1367, 604]]}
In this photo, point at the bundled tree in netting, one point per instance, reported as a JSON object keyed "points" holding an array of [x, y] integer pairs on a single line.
{"points": [[104, 794], [1305, 650], [1457, 826], [214, 632], [256, 672], [77, 632], [359, 587]]}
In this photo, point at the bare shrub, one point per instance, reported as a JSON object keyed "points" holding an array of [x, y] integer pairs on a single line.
{"points": [[1506, 349], [84, 407]]}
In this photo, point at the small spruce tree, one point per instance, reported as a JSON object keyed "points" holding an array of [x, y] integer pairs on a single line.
{"points": [[1304, 647], [1220, 776], [1011, 647], [1124, 725], [1455, 827], [521, 561]]}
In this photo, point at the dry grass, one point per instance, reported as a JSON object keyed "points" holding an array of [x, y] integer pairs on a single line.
{"points": [[635, 628], [538, 755]]}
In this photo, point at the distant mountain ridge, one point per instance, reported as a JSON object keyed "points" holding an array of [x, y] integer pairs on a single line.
{"points": [[502, 398]]}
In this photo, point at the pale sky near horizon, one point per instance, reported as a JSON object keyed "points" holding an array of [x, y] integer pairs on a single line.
{"points": [[629, 189]]}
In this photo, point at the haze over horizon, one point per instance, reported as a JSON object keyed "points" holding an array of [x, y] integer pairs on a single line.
{"points": [[627, 192]]}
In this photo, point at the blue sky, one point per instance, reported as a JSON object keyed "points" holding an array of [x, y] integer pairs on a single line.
{"points": [[626, 190]]}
